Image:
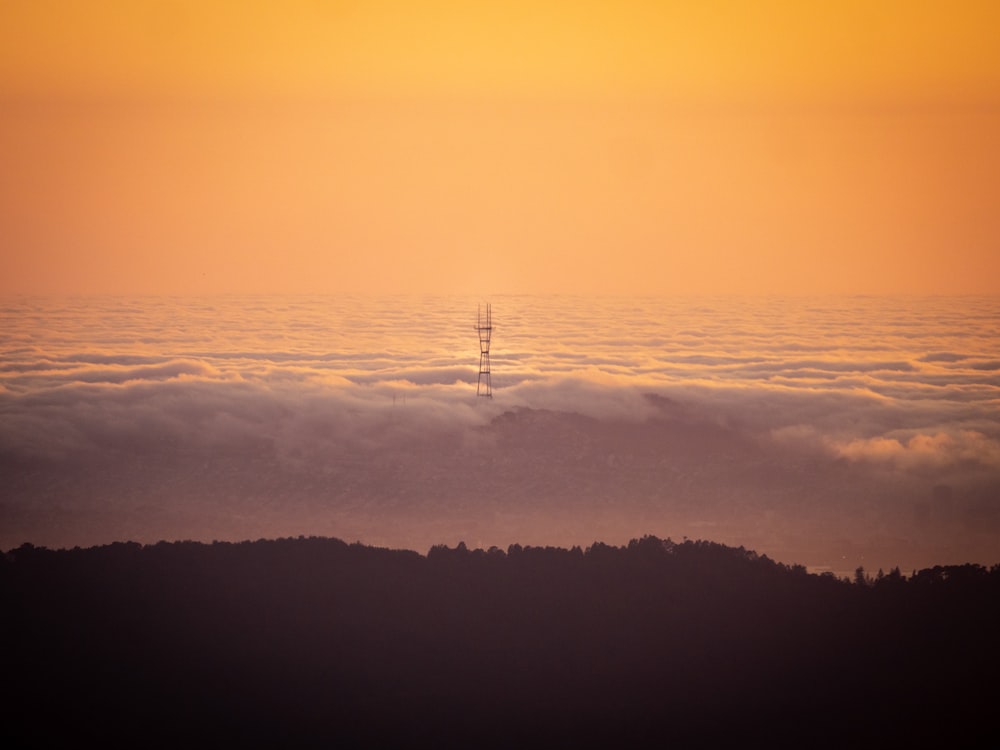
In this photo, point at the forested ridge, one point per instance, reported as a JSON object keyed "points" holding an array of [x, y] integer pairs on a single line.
{"points": [[312, 641]]}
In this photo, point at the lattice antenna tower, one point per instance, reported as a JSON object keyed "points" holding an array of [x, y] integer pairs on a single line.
{"points": [[484, 324]]}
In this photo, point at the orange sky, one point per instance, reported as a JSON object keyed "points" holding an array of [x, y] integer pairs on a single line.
{"points": [[656, 148]]}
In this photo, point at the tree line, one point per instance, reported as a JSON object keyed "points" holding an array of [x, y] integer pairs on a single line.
{"points": [[313, 641]]}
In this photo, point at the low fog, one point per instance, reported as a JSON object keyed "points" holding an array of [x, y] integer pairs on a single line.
{"points": [[833, 434]]}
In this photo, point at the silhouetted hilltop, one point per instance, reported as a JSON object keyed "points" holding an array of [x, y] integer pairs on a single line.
{"points": [[313, 641]]}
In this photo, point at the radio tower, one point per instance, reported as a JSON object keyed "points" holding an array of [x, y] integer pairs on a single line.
{"points": [[485, 327]]}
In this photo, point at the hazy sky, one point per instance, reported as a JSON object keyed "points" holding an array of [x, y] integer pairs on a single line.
{"points": [[628, 147]]}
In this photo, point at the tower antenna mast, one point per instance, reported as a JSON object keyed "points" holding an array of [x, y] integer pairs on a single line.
{"points": [[484, 325]]}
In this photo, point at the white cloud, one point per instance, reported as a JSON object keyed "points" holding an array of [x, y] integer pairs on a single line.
{"points": [[924, 451]]}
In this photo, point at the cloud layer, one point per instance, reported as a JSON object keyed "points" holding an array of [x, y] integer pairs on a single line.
{"points": [[754, 420]]}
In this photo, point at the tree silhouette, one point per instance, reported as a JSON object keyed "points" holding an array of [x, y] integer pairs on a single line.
{"points": [[314, 641]]}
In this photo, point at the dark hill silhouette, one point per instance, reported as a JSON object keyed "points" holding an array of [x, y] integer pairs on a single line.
{"points": [[312, 641]]}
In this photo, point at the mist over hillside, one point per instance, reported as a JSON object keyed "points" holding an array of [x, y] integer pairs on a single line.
{"points": [[531, 476], [309, 641], [831, 432]]}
